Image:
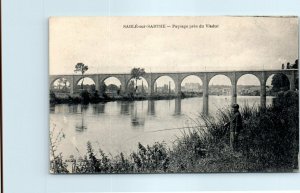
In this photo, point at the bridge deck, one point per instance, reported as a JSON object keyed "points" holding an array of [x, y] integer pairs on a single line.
{"points": [[187, 72]]}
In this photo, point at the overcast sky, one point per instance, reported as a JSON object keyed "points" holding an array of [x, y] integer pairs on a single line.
{"points": [[237, 43]]}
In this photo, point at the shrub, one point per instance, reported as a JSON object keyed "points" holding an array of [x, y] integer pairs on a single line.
{"points": [[122, 165], [151, 158], [53, 98], [85, 96]]}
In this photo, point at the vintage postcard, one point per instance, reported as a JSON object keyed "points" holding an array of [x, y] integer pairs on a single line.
{"points": [[173, 94]]}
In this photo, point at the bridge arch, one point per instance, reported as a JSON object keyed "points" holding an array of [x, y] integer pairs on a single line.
{"points": [[111, 85], [249, 87], [86, 80], [142, 84], [88, 83], [217, 84], [111, 80], [69, 83], [53, 81], [61, 85], [211, 76], [291, 74], [77, 79], [191, 83], [250, 82], [164, 84], [251, 75], [219, 80]]}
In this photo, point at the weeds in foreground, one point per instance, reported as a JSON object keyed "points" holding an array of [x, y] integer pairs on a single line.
{"points": [[57, 164]]}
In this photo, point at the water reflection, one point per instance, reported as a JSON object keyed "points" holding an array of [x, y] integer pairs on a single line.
{"points": [[73, 108], [99, 108], [125, 107], [151, 107], [137, 117], [84, 107], [52, 108], [81, 126], [177, 106]]}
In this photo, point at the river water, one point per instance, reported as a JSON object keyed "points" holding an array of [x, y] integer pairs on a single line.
{"points": [[118, 126]]}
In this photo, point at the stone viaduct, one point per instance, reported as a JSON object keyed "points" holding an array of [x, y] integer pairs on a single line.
{"points": [[178, 77]]}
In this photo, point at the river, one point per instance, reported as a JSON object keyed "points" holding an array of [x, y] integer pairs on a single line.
{"points": [[118, 126]]}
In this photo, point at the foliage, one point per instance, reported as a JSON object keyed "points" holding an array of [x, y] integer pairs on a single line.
{"points": [[57, 165], [53, 97], [62, 84], [122, 165], [92, 164], [82, 68], [131, 88], [102, 91], [112, 88], [94, 97], [85, 96], [151, 158], [286, 99], [145, 160], [137, 73], [280, 82]]}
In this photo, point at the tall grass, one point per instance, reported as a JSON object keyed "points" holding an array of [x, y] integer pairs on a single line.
{"points": [[57, 164]]}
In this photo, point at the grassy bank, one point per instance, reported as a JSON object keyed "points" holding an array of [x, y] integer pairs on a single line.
{"points": [[269, 142]]}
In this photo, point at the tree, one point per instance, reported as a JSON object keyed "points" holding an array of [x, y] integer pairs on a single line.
{"points": [[82, 68], [137, 73], [65, 82], [59, 83], [130, 87], [280, 82], [295, 66], [102, 89], [62, 84], [112, 88]]}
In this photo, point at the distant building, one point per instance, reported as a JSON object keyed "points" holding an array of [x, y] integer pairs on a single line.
{"points": [[142, 89], [191, 87], [219, 90], [163, 89], [226, 91]]}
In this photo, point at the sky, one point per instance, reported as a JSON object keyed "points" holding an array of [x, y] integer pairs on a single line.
{"points": [[105, 45]]}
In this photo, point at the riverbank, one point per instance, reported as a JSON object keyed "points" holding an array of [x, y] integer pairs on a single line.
{"points": [[268, 143], [87, 97]]}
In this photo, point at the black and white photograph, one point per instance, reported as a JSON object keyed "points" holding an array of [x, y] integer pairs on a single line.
{"points": [[173, 94]]}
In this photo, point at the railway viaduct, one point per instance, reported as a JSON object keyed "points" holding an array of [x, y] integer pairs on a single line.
{"points": [[178, 77]]}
